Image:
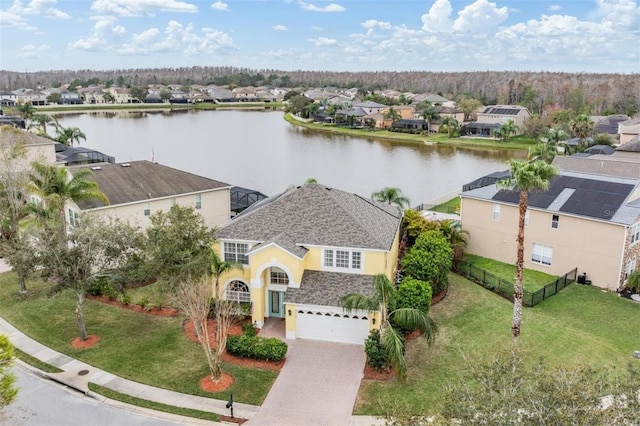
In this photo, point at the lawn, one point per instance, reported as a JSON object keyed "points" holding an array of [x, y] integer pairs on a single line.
{"points": [[580, 325], [531, 280], [145, 348], [451, 206]]}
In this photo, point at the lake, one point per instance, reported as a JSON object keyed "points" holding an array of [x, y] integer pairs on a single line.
{"points": [[260, 150]]}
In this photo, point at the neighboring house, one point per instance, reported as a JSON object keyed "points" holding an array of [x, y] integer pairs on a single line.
{"points": [[37, 148], [138, 189], [178, 97], [410, 124], [305, 249], [429, 97], [492, 117], [31, 96], [78, 155], [584, 220], [7, 99], [445, 111], [370, 107], [629, 129], [220, 94], [609, 124]]}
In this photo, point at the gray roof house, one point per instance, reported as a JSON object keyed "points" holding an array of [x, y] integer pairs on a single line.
{"points": [[140, 188], [302, 251]]}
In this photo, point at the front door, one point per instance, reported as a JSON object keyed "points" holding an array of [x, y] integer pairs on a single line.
{"points": [[276, 308]]}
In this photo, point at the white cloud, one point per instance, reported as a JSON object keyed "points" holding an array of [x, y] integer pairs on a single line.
{"points": [[480, 17], [331, 7], [625, 13], [323, 41], [32, 51], [12, 20], [438, 18], [105, 33], [555, 7], [38, 7], [317, 28], [372, 23], [131, 8], [219, 5], [146, 36], [280, 28]]}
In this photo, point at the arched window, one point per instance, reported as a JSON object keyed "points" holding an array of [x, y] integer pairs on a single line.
{"points": [[237, 291], [278, 276]]}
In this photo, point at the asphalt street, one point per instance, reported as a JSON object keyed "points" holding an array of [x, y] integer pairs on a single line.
{"points": [[43, 402]]}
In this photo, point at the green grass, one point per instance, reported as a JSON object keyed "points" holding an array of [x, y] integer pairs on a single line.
{"points": [[450, 206], [580, 325], [150, 293], [515, 143], [144, 348], [111, 394], [532, 280]]}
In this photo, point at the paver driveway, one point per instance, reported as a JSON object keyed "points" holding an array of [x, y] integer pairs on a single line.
{"points": [[318, 385]]}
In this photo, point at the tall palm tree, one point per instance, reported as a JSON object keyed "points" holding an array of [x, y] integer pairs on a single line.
{"points": [[429, 113], [391, 339], [525, 177], [56, 186], [218, 268], [509, 128], [67, 135], [41, 123], [542, 151], [583, 127], [391, 195], [26, 110], [391, 114], [450, 124]]}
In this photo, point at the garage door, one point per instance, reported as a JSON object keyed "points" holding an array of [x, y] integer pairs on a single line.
{"points": [[331, 324]]}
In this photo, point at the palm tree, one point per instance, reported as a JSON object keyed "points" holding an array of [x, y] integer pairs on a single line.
{"points": [[40, 122], [633, 280], [56, 187], [582, 126], [391, 114], [429, 114], [218, 268], [525, 177], [391, 339], [458, 238], [67, 135], [27, 110], [391, 195], [509, 128], [542, 151], [450, 124]]}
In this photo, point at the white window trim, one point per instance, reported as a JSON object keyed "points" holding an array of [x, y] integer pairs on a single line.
{"points": [[526, 218], [74, 217], [224, 252], [496, 212], [335, 268], [239, 295], [635, 234], [278, 271], [147, 209], [198, 201], [542, 252], [629, 268]]}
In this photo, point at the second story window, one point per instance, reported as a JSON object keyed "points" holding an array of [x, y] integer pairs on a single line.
{"points": [[236, 252], [342, 259], [147, 209], [496, 212], [635, 233], [198, 201], [555, 221]]}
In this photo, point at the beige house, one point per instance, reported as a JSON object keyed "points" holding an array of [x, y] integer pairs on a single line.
{"points": [[305, 249], [138, 189], [37, 148], [628, 130], [584, 220], [500, 114]]}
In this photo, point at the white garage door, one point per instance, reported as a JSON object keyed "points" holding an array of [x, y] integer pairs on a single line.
{"points": [[331, 324]]}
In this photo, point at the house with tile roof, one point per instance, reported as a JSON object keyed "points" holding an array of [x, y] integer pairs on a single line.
{"points": [[629, 130], [138, 189], [586, 219], [305, 249]]}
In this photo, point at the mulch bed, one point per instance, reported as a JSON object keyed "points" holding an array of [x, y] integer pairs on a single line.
{"points": [[208, 385], [236, 330], [163, 312], [438, 297], [371, 373], [91, 341], [236, 420]]}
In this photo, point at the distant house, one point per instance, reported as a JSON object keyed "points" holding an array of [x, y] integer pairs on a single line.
{"points": [[178, 97], [609, 124], [220, 94], [370, 107], [628, 129], [138, 189], [410, 124], [78, 155], [492, 117], [153, 98]]}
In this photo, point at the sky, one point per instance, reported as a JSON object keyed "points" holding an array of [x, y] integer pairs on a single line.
{"points": [[588, 36]]}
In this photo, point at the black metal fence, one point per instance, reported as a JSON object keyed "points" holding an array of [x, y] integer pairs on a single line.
{"points": [[504, 288]]}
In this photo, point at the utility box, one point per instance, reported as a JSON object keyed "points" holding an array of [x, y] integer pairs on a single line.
{"points": [[636, 354]]}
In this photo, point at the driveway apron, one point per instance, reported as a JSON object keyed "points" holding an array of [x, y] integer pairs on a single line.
{"points": [[318, 385]]}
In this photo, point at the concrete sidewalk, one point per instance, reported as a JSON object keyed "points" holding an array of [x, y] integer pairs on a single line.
{"points": [[139, 390]]}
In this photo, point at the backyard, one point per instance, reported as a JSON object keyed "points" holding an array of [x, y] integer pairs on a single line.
{"points": [[580, 325], [145, 348]]}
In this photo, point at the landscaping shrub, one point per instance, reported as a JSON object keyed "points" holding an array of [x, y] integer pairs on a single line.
{"points": [[376, 357], [248, 329], [245, 346], [430, 260], [124, 298]]}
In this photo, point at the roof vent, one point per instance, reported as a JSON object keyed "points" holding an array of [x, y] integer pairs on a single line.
{"points": [[126, 164], [96, 168]]}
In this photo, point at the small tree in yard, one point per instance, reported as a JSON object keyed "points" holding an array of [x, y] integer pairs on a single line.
{"points": [[430, 260], [8, 391], [391, 339], [93, 250], [633, 280]]}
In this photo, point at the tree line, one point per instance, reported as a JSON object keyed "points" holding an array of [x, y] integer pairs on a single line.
{"points": [[597, 94]]}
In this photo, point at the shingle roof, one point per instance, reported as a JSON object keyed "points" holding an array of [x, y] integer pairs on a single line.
{"points": [[612, 165], [143, 180], [328, 288], [27, 137], [314, 214], [283, 240]]}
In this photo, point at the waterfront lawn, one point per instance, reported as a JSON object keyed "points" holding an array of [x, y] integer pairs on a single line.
{"points": [[581, 325], [451, 206], [531, 280], [145, 348]]}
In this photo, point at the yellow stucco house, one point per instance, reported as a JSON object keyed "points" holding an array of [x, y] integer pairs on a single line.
{"points": [[302, 251], [586, 220]]}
